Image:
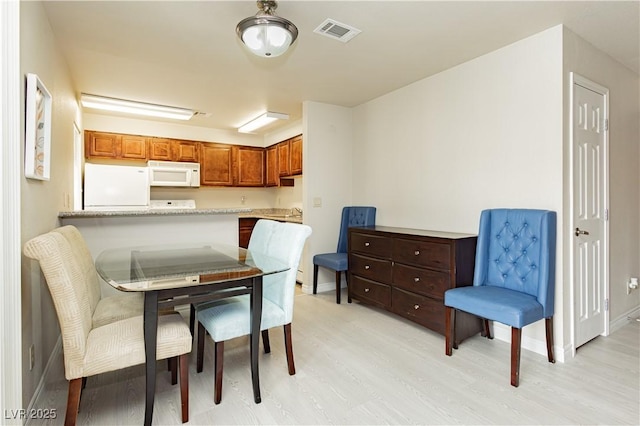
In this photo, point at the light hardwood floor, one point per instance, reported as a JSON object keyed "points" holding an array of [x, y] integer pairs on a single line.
{"points": [[360, 365]]}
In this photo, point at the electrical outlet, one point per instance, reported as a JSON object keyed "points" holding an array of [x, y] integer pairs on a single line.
{"points": [[32, 357], [632, 285]]}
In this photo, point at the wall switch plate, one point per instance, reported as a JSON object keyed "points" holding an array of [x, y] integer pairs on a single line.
{"points": [[317, 202]]}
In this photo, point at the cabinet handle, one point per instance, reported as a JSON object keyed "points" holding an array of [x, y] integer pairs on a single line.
{"points": [[366, 290], [417, 252], [366, 266], [416, 279], [416, 307], [367, 244]]}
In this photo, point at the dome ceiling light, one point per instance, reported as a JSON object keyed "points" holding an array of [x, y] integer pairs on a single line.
{"points": [[266, 34]]}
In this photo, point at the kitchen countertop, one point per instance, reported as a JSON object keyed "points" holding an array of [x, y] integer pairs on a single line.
{"points": [[281, 215], [158, 212]]}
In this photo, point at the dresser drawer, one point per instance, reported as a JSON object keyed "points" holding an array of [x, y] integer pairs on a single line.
{"points": [[422, 253], [369, 267], [374, 245], [370, 291], [426, 282], [421, 309]]}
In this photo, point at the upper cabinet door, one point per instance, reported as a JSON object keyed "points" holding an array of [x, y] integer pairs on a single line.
{"points": [[160, 149], [284, 158], [271, 166], [186, 151], [296, 155], [101, 145], [134, 147], [216, 165], [251, 163]]}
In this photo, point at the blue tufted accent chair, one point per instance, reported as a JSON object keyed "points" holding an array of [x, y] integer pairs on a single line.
{"points": [[514, 277], [351, 216]]}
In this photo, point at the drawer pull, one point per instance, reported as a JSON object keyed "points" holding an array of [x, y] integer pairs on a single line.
{"points": [[367, 266], [416, 279], [367, 244], [417, 252], [416, 307], [366, 290]]}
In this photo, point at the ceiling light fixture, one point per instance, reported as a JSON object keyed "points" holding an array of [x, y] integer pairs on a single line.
{"points": [[261, 121], [132, 107], [266, 34]]}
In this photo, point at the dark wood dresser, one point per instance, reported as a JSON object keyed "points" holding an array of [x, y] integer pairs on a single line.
{"points": [[406, 271]]}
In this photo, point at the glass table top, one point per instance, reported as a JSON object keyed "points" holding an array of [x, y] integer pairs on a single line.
{"points": [[145, 268]]}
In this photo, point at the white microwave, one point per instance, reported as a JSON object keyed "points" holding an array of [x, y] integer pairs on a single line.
{"points": [[169, 173]]}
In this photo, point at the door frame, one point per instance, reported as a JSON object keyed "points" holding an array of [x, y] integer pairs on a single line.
{"points": [[591, 85]]}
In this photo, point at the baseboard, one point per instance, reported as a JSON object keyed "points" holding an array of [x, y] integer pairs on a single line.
{"points": [[624, 319], [322, 287], [503, 333], [45, 374]]}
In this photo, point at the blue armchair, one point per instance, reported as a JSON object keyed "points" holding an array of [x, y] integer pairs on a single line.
{"points": [[514, 277], [351, 216]]}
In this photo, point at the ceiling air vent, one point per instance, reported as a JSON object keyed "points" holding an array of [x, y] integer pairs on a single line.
{"points": [[337, 30]]}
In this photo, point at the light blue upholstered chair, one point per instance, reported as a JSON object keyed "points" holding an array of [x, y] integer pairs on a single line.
{"points": [[351, 216], [514, 277], [229, 318]]}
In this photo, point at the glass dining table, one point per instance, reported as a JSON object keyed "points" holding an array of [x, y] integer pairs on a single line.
{"points": [[188, 274]]}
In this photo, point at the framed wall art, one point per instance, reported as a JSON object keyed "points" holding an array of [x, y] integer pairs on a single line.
{"points": [[37, 151]]}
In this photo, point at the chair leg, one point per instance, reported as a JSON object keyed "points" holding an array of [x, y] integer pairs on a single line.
{"points": [[338, 282], [288, 344], [549, 327], [183, 365], [487, 330], [265, 341], [192, 319], [346, 277], [173, 367], [315, 279], [219, 353], [84, 382], [73, 402], [516, 336], [200, 348], [449, 323]]}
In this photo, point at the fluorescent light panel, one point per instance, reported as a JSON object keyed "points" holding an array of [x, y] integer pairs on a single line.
{"points": [[261, 121], [132, 107]]}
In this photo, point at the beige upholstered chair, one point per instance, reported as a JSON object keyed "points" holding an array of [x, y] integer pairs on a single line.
{"points": [[100, 337], [229, 318]]}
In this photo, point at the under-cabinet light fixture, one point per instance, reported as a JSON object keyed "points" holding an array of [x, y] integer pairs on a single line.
{"points": [[261, 121], [132, 107]]}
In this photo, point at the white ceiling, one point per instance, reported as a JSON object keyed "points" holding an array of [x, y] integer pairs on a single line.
{"points": [[186, 53]]}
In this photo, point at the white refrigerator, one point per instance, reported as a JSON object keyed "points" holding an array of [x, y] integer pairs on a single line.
{"points": [[108, 187]]}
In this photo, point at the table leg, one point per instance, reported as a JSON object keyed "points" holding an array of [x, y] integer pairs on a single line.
{"points": [[255, 314], [150, 342]]}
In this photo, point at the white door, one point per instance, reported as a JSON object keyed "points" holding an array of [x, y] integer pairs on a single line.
{"points": [[590, 210]]}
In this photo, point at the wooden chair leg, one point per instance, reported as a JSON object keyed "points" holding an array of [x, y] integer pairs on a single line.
{"points": [[346, 276], [549, 327], [449, 322], [288, 344], [200, 348], [265, 341], [183, 365], [315, 279], [338, 286], [73, 402], [516, 336], [219, 353], [487, 330], [173, 367], [192, 319], [84, 382]]}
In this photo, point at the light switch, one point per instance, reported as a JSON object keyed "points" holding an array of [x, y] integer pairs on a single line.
{"points": [[317, 202]]}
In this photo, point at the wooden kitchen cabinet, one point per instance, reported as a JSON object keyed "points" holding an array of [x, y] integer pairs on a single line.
{"points": [[284, 158], [245, 228], [296, 156], [164, 149], [114, 146], [407, 271], [216, 164], [271, 166], [250, 166]]}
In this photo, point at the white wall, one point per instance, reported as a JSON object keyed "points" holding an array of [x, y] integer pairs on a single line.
{"points": [[42, 200], [327, 164], [624, 166], [487, 133]]}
